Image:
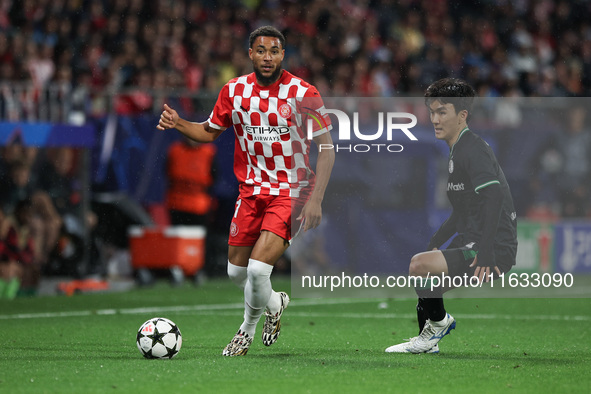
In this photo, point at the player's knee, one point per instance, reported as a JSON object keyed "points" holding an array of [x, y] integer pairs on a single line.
{"points": [[258, 272], [418, 265], [237, 275]]}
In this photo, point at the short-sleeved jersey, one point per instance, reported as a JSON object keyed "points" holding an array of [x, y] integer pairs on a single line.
{"points": [[472, 167], [271, 154]]}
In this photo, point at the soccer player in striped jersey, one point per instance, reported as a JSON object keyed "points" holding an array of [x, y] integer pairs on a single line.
{"points": [[269, 110], [482, 215]]}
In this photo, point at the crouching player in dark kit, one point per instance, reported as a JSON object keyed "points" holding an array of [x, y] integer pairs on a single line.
{"points": [[482, 215]]}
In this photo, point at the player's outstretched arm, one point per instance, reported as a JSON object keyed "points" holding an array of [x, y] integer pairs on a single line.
{"points": [[312, 211], [200, 132]]}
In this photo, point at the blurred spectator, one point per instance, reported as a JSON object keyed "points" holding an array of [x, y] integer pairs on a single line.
{"points": [[8, 155], [17, 251], [574, 146], [190, 168], [562, 168], [46, 224], [57, 177], [10, 267], [191, 171], [138, 100], [18, 184], [61, 182], [40, 63]]}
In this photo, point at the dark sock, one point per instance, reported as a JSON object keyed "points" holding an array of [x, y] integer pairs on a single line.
{"points": [[430, 299], [421, 314], [434, 308]]}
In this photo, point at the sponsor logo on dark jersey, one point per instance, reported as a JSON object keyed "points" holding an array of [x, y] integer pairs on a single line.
{"points": [[456, 187]]}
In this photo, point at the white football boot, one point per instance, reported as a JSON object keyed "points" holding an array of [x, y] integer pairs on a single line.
{"points": [[428, 339]]}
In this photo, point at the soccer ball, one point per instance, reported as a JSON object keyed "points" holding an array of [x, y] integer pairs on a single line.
{"points": [[159, 338]]}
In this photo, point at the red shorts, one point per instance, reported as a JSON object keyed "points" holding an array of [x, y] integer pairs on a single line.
{"points": [[254, 214]]}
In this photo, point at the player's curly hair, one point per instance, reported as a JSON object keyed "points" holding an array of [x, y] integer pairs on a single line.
{"points": [[454, 91], [266, 31]]}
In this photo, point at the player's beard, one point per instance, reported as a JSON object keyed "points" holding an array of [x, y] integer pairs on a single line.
{"points": [[270, 79]]}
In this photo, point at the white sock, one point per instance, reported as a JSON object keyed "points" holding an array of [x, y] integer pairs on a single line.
{"points": [[257, 292], [237, 274], [274, 303]]}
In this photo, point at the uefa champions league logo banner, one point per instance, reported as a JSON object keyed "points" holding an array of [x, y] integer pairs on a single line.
{"points": [[387, 194]]}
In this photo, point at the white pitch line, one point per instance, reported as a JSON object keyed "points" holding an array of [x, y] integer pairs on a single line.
{"points": [[458, 315], [413, 315], [179, 308], [228, 309], [46, 315]]}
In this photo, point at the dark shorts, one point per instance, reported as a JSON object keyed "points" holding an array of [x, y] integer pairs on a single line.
{"points": [[459, 257]]}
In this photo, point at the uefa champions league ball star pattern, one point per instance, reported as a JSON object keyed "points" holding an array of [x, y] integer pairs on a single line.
{"points": [[159, 338]]}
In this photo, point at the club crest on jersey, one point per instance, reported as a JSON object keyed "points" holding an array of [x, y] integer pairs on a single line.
{"points": [[285, 111], [233, 229], [451, 166]]}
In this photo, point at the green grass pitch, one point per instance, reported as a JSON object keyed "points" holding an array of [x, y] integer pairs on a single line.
{"points": [[86, 344]]}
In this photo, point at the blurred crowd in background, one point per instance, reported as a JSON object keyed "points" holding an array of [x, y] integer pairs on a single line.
{"points": [[142, 51], [344, 47]]}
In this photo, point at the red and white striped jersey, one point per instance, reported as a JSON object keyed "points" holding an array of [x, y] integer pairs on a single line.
{"points": [[271, 153]]}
